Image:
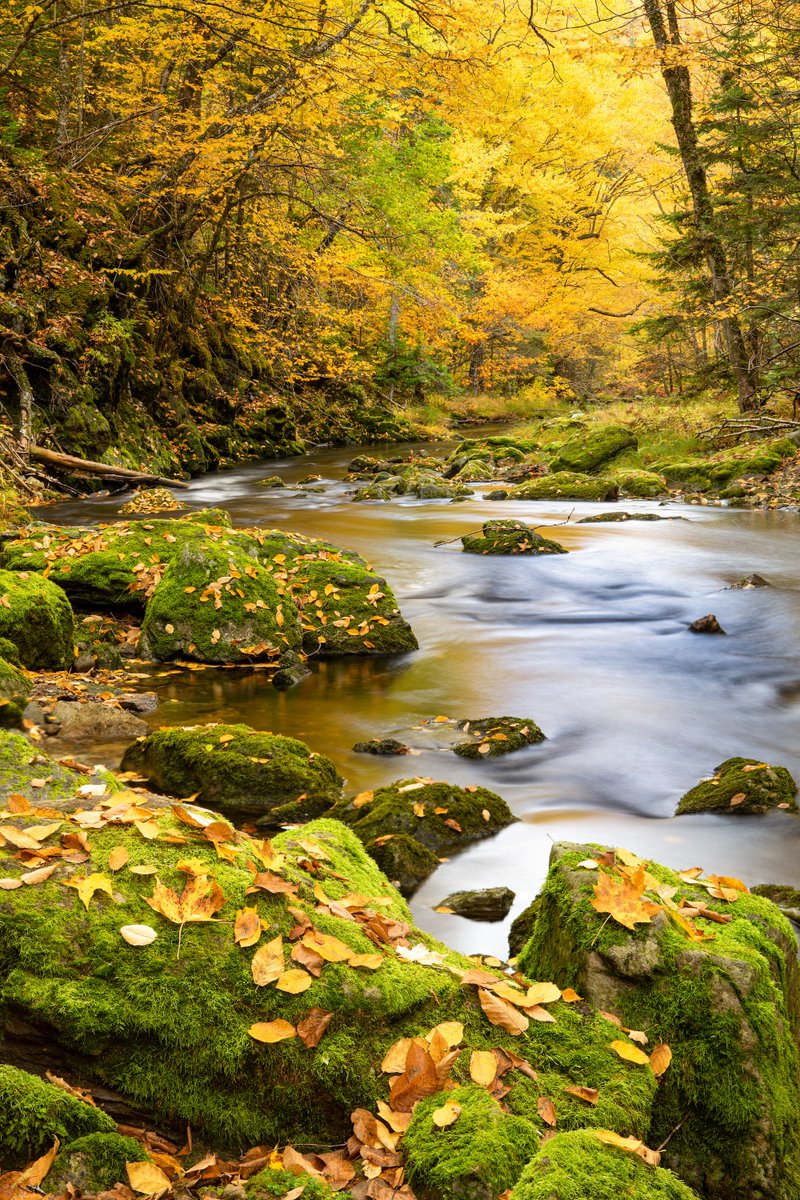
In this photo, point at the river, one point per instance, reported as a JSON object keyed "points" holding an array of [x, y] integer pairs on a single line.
{"points": [[592, 645]]}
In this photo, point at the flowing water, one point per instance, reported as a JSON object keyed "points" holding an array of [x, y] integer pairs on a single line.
{"points": [[592, 645]]}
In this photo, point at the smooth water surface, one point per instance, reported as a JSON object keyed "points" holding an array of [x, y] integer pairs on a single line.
{"points": [[592, 645]]}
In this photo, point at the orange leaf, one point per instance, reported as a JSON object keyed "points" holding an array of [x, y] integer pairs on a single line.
{"points": [[267, 964], [660, 1059], [590, 1095], [622, 898], [272, 1031], [503, 1014], [247, 927], [546, 1110]]}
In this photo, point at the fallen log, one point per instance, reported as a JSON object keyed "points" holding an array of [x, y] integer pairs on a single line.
{"points": [[107, 471]]}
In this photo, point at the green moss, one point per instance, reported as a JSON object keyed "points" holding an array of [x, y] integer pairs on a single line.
{"points": [[522, 928], [477, 1157], [14, 692], [692, 475], [233, 766], [34, 1113], [36, 616], [742, 785], [494, 736], [565, 484], [509, 537], [608, 517], [271, 1182], [21, 762], [409, 807], [589, 451], [577, 1166], [94, 1163], [9, 652], [646, 484], [727, 1008], [215, 605]]}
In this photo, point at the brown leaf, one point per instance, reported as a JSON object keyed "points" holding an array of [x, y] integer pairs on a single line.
{"points": [[309, 959], [503, 1014], [247, 927], [660, 1059], [33, 1175], [483, 1068], [312, 1027], [590, 1095], [419, 1079], [546, 1110], [267, 882]]}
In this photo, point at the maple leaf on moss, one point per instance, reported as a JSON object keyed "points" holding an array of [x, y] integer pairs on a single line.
{"points": [[623, 899]]}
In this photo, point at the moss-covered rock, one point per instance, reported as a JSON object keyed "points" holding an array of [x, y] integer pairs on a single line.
{"points": [[233, 767], [567, 485], [274, 1182], [691, 475], [166, 1024], [589, 451], [21, 763], [477, 1157], [441, 816], [726, 1000], [215, 605], [608, 517], [403, 860], [34, 1113], [645, 484], [522, 928], [492, 736], [509, 537], [475, 470], [578, 1166], [15, 689], [784, 896], [742, 785], [9, 652], [94, 1163], [36, 616]]}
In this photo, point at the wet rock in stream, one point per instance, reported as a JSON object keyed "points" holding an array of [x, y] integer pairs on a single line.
{"points": [[509, 537], [706, 624], [485, 904], [742, 785]]}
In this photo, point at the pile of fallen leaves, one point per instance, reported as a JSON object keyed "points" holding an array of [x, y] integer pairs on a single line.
{"points": [[152, 500]]}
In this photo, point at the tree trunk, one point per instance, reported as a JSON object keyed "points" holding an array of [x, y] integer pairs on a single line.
{"points": [[666, 35], [18, 373]]}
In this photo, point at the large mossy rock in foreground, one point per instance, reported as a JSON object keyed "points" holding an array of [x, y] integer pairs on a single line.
{"points": [[742, 785], [725, 997], [167, 1024], [215, 605], [234, 767], [590, 450], [509, 537], [36, 616], [575, 1166]]}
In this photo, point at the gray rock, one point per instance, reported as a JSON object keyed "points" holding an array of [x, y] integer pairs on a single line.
{"points": [[487, 904], [96, 720], [138, 702]]}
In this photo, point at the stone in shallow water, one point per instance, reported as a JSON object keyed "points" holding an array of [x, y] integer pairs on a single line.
{"points": [[509, 537], [747, 582], [706, 624], [381, 746], [486, 904], [94, 720], [742, 785]]}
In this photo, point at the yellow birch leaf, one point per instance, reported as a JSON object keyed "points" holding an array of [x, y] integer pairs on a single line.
{"points": [[272, 1031]]}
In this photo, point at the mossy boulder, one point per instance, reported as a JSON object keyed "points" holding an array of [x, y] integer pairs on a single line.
{"points": [[34, 1113], [643, 484], [742, 785], [36, 616], [509, 537], [21, 762], [475, 470], [492, 736], [784, 896], [609, 517], [565, 485], [167, 1024], [478, 1157], [740, 464], [441, 816], [276, 1182], [589, 451], [94, 1163], [15, 689], [691, 475], [233, 767], [215, 605], [403, 860], [726, 999], [578, 1166]]}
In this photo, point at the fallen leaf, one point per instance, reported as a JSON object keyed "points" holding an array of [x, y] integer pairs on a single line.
{"points": [[138, 935], [660, 1059], [87, 885], [267, 964], [146, 1177], [590, 1095], [247, 927], [327, 946], [546, 1110], [294, 981], [629, 1053], [503, 1014], [631, 1144], [570, 996], [419, 1079], [272, 1031], [313, 1026], [448, 1114], [623, 899], [33, 1175], [483, 1068], [369, 962], [542, 993], [118, 858]]}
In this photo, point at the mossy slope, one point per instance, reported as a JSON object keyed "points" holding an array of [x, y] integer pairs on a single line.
{"points": [[34, 1113], [15, 689], [36, 616]]}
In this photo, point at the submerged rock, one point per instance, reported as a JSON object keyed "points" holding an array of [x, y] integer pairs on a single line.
{"points": [[784, 896], [233, 767], [742, 785], [723, 997], [589, 451], [624, 516], [488, 904], [706, 624], [645, 484], [271, 481], [493, 736], [36, 616], [403, 860], [509, 537]]}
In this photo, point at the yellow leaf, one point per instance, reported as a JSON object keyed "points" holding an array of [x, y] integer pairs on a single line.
{"points": [[267, 964], [117, 858], [631, 1144], [542, 993], [294, 982], [87, 885], [452, 1033], [327, 947], [483, 1068], [370, 962], [247, 927], [169, 629], [660, 1059], [503, 1014], [33, 1175], [629, 1053], [448, 1114], [272, 1031], [146, 1177]]}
